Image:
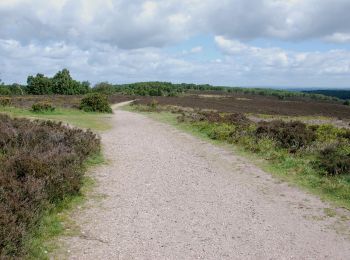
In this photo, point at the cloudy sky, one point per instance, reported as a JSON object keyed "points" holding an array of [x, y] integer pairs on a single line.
{"points": [[291, 43]]}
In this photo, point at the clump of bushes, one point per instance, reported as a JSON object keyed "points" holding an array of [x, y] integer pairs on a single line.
{"points": [[5, 101], [41, 163], [154, 104], [215, 117], [43, 107], [95, 102], [290, 135], [334, 159], [328, 146]]}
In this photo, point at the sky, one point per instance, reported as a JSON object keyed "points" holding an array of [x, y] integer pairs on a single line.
{"points": [[269, 43]]}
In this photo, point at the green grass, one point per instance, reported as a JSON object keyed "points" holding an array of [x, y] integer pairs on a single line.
{"points": [[293, 169], [75, 117], [57, 221]]}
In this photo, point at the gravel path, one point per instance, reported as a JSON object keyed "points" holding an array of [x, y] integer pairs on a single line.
{"points": [[167, 195]]}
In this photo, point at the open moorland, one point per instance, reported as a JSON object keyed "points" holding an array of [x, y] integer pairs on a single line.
{"points": [[299, 138], [255, 104]]}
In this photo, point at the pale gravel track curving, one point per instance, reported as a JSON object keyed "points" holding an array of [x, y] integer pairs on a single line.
{"points": [[169, 195]]}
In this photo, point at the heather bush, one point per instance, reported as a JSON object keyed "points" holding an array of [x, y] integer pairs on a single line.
{"points": [[334, 159], [211, 117], [153, 104], [43, 107], [215, 117], [290, 135], [236, 119], [5, 101], [41, 163], [95, 102]]}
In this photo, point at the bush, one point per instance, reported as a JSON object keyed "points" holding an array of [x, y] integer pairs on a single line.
{"points": [[220, 132], [236, 119], [290, 135], [41, 163], [42, 107], [5, 101], [334, 159], [231, 118], [95, 102], [153, 105]]}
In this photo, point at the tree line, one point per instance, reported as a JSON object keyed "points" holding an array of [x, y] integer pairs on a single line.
{"points": [[63, 84]]}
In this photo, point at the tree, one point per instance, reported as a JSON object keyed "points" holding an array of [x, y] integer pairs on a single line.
{"points": [[39, 85], [16, 89], [104, 88], [64, 84], [85, 87]]}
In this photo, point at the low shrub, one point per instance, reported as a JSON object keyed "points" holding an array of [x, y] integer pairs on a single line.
{"points": [[220, 132], [334, 159], [95, 102], [290, 135], [153, 104], [41, 163], [211, 117], [327, 133], [5, 101], [43, 107], [215, 117], [236, 119]]}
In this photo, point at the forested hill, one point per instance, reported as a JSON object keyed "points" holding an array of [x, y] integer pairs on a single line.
{"points": [[338, 93]]}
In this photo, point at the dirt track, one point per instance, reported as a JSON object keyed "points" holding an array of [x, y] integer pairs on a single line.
{"points": [[168, 195]]}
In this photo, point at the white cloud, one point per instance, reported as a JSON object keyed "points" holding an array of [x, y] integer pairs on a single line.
{"points": [[287, 65], [338, 38], [197, 49], [144, 23], [121, 40], [249, 66]]}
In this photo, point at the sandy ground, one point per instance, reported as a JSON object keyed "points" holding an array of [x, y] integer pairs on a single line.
{"points": [[167, 195]]}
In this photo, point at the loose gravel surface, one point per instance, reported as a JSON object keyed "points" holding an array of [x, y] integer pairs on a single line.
{"points": [[167, 195]]}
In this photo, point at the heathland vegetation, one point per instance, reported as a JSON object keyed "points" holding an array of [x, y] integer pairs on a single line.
{"points": [[314, 156], [42, 163], [338, 93], [63, 84], [171, 89]]}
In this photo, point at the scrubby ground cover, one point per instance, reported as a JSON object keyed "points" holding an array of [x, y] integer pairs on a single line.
{"points": [[95, 102], [316, 157], [62, 101], [255, 104], [60, 108], [42, 163], [27, 101]]}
